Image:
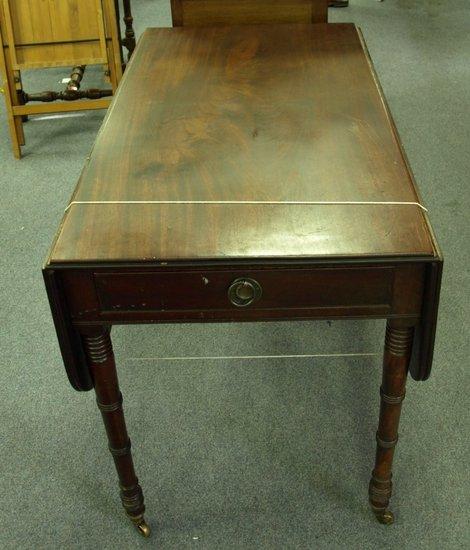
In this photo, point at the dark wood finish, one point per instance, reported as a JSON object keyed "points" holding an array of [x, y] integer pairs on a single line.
{"points": [[425, 331], [71, 345], [129, 40], [246, 113], [235, 12], [397, 352], [101, 363], [67, 95], [287, 290], [202, 294], [263, 110], [399, 293], [76, 78]]}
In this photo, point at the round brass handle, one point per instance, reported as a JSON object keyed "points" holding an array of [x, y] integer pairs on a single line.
{"points": [[243, 292]]}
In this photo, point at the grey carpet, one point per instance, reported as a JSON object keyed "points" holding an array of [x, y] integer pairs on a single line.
{"points": [[259, 454]]}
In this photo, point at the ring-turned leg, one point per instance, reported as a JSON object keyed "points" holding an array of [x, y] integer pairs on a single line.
{"points": [[398, 343], [129, 40], [103, 370]]}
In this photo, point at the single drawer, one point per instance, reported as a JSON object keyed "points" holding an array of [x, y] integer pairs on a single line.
{"points": [[263, 289]]}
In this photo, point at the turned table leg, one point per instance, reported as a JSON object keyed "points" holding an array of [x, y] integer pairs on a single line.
{"points": [[103, 370], [398, 343]]}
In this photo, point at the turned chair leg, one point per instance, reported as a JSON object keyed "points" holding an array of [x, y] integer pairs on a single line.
{"points": [[20, 94], [129, 40], [398, 343], [102, 366]]}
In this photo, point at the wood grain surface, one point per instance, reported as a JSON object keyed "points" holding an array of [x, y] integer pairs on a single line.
{"points": [[57, 32], [265, 113], [232, 12]]}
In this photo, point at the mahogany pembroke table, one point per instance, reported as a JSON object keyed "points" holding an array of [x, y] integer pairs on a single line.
{"points": [[256, 176]]}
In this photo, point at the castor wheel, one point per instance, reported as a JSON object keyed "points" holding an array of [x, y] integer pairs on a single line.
{"points": [[142, 526], [385, 517]]}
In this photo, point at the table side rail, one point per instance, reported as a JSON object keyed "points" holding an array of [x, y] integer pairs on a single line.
{"points": [[89, 296], [172, 295]]}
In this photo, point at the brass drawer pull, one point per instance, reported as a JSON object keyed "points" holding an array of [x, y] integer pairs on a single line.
{"points": [[243, 292]]}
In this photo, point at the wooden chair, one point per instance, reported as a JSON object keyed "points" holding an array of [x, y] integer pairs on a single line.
{"points": [[55, 33], [233, 12]]}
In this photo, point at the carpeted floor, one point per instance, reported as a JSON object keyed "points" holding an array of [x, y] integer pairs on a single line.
{"points": [[245, 454]]}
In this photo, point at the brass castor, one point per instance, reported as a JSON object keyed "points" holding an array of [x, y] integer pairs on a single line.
{"points": [[385, 517], [141, 526]]}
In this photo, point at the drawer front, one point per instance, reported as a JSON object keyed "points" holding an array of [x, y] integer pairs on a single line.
{"points": [[231, 290]]}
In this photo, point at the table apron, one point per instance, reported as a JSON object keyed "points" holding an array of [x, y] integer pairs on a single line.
{"points": [[147, 295]]}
